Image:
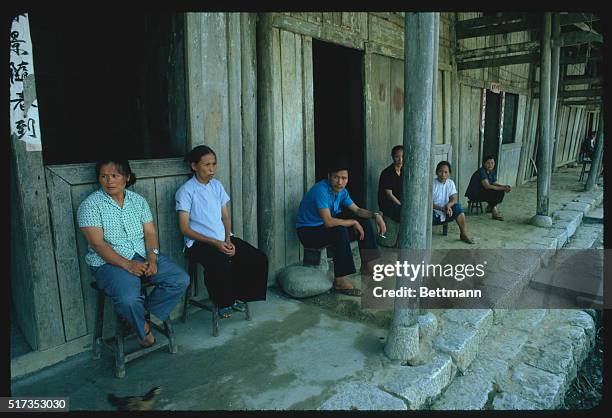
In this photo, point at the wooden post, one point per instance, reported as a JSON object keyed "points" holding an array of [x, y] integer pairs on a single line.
{"points": [[434, 127], [598, 156], [554, 88], [541, 218], [249, 126], [419, 45]]}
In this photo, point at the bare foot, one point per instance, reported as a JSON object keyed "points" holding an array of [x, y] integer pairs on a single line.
{"points": [[342, 283]]}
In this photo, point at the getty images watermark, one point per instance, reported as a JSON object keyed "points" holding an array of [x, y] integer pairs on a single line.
{"points": [[411, 272], [484, 279]]}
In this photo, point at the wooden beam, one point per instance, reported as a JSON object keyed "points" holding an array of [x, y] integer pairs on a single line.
{"points": [[325, 33], [498, 62], [597, 92], [581, 102], [573, 18], [496, 50], [580, 79], [527, 23], [579, 37], [487, 20]]}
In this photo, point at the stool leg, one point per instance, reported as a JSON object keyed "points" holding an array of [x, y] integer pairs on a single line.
{"points": [[215, 320], [188, 293], [119, 352], [97, 340], [445, 229], [247, 312], [170, 334]]}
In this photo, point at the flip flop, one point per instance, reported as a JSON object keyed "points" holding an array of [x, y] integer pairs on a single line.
{"points": [[467, 239], [238, 306], [225, 312], [353, 291], [144, 344]]}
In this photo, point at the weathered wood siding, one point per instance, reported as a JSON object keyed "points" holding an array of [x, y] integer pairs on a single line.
{"points": [[286, 138], [69, 185], [222, 113]]}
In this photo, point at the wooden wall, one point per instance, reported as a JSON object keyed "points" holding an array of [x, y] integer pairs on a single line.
{"points": [[221, 103], [286, 138], [49, 279], [515, 164]]}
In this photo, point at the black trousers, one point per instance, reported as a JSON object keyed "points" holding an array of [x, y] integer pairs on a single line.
{"points": [[340, 237], [243, 276], [392, 210], [492, 197]]}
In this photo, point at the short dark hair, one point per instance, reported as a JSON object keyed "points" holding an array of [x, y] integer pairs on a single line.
{"points": [[444, 163], [198, 152], [396, 148], [338, 164], [487, 158], [122, 164]]}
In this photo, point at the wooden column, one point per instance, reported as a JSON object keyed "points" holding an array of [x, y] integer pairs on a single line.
{"points": [[419, 45], [434, 127], [541, 218], [554, 87], [598, 156]]}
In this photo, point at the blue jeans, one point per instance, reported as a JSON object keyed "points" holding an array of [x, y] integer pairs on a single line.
{"points": [[124, 289], [457, 210]]}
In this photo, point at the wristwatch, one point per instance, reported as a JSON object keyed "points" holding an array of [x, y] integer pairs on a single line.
{"points": [[374, 214], [153, 250]]}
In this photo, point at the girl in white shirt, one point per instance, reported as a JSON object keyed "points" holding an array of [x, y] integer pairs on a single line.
{"points": [[445, 201]]}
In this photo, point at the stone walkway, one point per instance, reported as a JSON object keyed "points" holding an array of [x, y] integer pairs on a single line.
{"points": [[326, 353]]}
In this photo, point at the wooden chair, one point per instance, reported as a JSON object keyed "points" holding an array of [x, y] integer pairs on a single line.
{"points": [[207, 304], [123, 330]]}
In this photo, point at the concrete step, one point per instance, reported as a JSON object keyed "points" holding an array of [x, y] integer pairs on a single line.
{"points": [[526, 362]]}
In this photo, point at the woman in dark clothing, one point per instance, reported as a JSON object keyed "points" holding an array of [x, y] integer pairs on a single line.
{"points": [[483, 187]]}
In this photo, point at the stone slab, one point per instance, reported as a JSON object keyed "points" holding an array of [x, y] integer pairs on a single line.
{"points": [[418, 385], [542, 388], [577, 206], [362, 396], [461, 342]]}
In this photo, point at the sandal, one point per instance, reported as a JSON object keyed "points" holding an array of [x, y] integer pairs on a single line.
{"points": [[467, 239], [239, 306], [144, 343], [352, 291], [225, 312], [497, 217]]}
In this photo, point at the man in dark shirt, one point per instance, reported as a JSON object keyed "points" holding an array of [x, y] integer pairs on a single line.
{"points": [[483, 187], [390, 185]]}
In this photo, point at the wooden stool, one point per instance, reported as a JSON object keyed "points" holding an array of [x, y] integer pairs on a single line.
{"points": [[584, 171], [472, 205], [122, 330], [207, 304]]}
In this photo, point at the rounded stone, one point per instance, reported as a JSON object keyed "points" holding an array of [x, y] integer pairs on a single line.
{"points": [[303, 281], [541, 221]]}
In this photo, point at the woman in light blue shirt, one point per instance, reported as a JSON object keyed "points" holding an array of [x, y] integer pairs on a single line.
{"points": [[123, 248], [235, 271]]}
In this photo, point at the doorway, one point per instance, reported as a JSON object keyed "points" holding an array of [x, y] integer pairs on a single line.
{"points": [[110, 81], [338, 112], [490, 144]]}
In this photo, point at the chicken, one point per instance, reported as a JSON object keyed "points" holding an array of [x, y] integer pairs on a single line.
{"points": [[135, 403]]}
